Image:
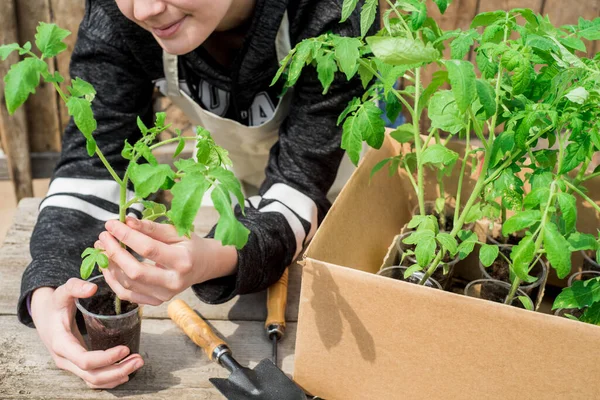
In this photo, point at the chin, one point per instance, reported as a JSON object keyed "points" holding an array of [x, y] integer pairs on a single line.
{"points": [[176, 47]]}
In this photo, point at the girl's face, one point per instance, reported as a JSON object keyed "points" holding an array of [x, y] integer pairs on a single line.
{"points": [[179, 26]]}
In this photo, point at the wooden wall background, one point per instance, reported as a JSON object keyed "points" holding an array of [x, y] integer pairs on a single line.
{"points": [[44, 117]]}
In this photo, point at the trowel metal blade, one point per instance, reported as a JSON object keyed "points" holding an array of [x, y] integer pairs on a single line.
{"points": [[264, 382]]}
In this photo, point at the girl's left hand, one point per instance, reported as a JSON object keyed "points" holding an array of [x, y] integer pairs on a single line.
{"points": [[179, 262]]}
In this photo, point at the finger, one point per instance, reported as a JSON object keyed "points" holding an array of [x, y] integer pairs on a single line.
{"points": [[135, 270], [127, 294], [72, 350], [165, 233], [142, 244], [110, 376], [74, 288], [162, 292]]}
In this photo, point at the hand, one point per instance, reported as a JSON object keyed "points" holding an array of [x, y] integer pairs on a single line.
{"points": [[53, 313], [179, 262]]}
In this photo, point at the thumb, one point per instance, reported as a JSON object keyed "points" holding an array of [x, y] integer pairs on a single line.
{"points": [[74, 289]]}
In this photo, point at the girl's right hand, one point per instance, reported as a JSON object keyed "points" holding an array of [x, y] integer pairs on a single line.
{"points": [[53, 312]]}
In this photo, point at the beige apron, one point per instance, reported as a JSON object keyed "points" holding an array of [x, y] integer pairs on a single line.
{"points": [[248, 146]]}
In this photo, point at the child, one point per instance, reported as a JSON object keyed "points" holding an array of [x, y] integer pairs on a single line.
{"points": [[216, 60]]}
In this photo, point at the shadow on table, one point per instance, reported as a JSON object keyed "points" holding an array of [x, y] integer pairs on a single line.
{"points": [[163, 354]]}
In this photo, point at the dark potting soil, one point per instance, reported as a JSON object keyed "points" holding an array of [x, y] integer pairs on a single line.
{"points": [[511, 239], [105, 305], [590, 266], [107, 333], [499, 269]]}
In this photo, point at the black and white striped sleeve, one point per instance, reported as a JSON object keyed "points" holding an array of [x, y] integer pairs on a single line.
{"points": [[302, 167], [82, 195]]}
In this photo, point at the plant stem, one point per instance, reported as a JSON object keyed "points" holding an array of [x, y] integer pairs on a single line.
{"points": [[417, 138], [409, 173], [394, 91], [172, 140], [463, 167], [583, 195]]}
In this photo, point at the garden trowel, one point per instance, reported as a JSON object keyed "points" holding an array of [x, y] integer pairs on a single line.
{"points": [[263, 382]]}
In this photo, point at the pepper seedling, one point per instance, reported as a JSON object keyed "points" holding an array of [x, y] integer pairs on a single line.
{"points": [[188, 183], [533, 105]]}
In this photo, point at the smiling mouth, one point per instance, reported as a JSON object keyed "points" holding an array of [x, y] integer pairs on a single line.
{"points": [[167, 31]]}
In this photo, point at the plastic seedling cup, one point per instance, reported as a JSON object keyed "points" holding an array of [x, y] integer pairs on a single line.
{"points": [[397, 272], [445, 280], [589, 261], [105, 330], [493, 290]]}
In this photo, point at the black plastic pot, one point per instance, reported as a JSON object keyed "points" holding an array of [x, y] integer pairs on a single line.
{"points": [[105, 329]]}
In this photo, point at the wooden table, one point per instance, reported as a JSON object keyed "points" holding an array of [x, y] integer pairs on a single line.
{"points": [[175, 368]]}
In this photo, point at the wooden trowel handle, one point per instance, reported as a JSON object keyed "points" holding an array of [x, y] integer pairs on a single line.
{"points": [[276, 303], [196, 328]]}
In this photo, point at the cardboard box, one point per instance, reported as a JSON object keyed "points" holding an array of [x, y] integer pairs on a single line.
{"points": [[362, 336]]}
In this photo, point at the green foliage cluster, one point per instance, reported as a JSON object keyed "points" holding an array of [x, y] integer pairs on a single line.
{"points": [[532, 82], [188, 182]]}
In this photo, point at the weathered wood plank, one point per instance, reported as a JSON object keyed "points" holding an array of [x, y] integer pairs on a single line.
{"points": [[14, 258], [175, 367], [13, 129], [42, 109], [68, 15]]}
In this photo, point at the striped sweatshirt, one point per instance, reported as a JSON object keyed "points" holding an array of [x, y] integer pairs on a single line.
{"points": [[124, 63]]}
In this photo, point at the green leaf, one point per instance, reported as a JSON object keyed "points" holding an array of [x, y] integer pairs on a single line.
{"points": [[411, 270], [526, 301], [283, 66], [303, 53], [578, 95], [462, 78], [142, 127], [502, 147], [537, 198], [49, 39], [350, 108], [486, 65], [522, 256], [573, 43], [81, 111], [404, 133], [521, 220], [425, 250], [592, 314], [127, 152], [152, 210], [589, 30], [379, 166], [488, 254], [7, 49], [366, 76], [326, 69], [439, 155], [347, 54], [467, 245], [448, 242], [487, 97], [90, 258], [187, 199], [568, 209], [475, 214], [347, 8], [461, 45], [148, 178], [81, 88], [367, 16], [556, 247], [444, 114], [230, 231], [575, 155], [229, 182], [366, 124], [180, 147], [488, 18], [416, 220], [579, 295], [418, 16], [21, 80], [402, 51], [582, 241], [442, 5], [143, 149]]}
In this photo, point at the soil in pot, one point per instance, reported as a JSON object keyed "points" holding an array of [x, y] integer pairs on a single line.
{"points": [[511, 240], [493, 290], [397, 272], [105, 329]]}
